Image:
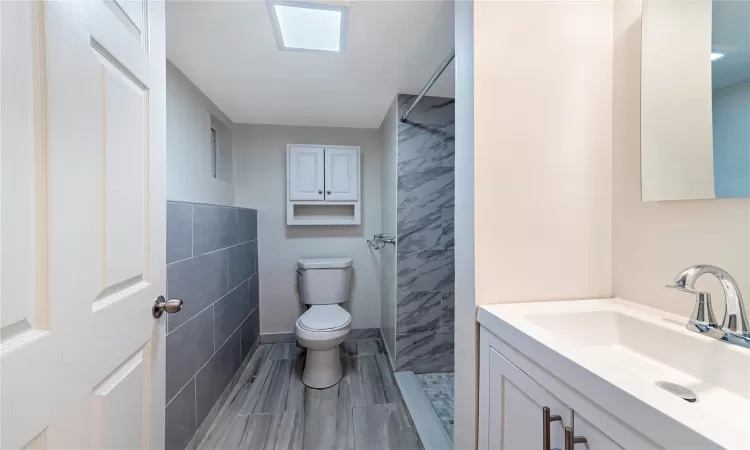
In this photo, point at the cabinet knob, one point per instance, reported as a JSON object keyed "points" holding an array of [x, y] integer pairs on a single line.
{"points": [[320, 192], [328, 192]]}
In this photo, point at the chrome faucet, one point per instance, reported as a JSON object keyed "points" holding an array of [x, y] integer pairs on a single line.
{"points": [[734, 327]]}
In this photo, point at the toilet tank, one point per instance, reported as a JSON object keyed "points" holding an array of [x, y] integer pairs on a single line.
{"points": [[324, 281]]}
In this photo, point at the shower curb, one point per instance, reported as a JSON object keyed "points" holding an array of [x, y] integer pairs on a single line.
{"points": [[428, 425]]}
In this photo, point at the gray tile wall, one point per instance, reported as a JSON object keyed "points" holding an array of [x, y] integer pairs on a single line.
{"points": [[212, 265], [425, 264]]}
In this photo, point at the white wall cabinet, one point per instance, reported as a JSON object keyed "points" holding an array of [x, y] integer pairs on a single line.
{"points": [[512, 402], [323, 185]]}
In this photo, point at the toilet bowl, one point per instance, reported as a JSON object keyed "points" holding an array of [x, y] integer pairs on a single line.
{"points": [[324, 284], [321, 329]]}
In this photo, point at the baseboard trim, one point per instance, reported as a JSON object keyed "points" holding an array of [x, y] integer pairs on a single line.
{"points": [[285, 338]]}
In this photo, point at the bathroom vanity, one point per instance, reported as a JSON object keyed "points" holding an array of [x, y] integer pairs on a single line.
{"points": [[591, 367]]}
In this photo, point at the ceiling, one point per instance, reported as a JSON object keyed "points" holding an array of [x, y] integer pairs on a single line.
{"points": [[228, 49], [731, 36]]}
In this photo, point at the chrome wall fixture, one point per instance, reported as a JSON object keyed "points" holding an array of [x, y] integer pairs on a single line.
{"points": [[379, 241], [430, 82]]}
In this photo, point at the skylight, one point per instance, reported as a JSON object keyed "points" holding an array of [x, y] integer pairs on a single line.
{"points": [[308, 26]]}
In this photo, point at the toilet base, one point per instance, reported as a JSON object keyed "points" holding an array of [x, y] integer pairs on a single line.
{"points": [[323, 368]]}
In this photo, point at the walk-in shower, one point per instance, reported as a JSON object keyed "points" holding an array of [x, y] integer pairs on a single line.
{"points": [[417, 315]]}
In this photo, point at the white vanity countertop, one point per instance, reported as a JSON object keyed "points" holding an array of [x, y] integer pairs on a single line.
{"points": [[612, 351]]}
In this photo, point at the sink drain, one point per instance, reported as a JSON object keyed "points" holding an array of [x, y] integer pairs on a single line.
{"points": [[680, 391]]}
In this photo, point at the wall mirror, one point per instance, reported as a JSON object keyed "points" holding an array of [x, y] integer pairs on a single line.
{"points": [[695, 100]]}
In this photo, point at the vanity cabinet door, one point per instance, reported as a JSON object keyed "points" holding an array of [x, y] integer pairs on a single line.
{"points": [[618, 436], [511, 409]]}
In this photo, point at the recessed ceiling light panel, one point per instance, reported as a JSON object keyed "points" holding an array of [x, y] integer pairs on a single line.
{"points": [[308, 26], [716, 55]]}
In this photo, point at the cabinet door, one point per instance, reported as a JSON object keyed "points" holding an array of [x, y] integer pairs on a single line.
{"points": [[514, 409], [618, 436], [342, 174], [305, 173]]}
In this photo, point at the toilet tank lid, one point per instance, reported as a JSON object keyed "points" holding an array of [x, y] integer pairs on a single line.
{"points": [[324, 263]]}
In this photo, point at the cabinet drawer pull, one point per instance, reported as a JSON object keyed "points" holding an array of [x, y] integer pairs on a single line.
{"points": [[546, 419], [571, 440]]}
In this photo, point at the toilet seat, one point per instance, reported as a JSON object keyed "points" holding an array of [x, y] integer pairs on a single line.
{"points": [[322, 318]]}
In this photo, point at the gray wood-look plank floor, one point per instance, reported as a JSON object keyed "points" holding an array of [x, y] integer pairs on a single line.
{"points": [[271, 409]]}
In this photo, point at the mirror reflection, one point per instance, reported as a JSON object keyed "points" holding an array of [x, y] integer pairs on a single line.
{"points": [[695, 100]]}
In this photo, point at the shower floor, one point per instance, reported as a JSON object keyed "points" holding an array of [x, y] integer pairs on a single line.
{"points": [[438, 387]]}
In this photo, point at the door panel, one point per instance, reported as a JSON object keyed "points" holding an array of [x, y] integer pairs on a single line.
{"points": [[305, 173], [82, 358], [342, 174], [515, 409]]}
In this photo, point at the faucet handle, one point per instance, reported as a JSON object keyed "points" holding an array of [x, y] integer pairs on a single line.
{"points": [[703, 313]]}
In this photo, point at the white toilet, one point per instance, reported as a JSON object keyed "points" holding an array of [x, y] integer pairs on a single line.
{"points": [[324, 284]]}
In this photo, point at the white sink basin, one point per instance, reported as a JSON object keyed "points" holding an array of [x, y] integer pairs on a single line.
{"points": [[658, 350], [633, 347]]}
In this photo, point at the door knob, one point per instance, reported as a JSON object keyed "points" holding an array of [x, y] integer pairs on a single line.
{"points": [[161, 305]]}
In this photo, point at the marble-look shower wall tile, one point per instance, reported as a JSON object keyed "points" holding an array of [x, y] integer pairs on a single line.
{"points": [[427, 138], [448, 308], [447, 227], [425, 209], [422, 196], [418, 311], [429, 270], [427, 352]]}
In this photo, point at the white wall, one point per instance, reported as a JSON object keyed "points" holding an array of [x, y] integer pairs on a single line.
{"points": [[541, 170], [260, 180], [189, 121], [542, 150], [388, 195], [653, 241]]}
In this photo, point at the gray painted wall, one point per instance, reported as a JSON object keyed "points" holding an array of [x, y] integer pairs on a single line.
{"points": [[425, 255], [260, 164], [212, 265], [190, 116]]}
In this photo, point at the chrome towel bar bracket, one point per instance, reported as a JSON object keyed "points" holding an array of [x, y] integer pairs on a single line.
{"points": [[379, 241]]}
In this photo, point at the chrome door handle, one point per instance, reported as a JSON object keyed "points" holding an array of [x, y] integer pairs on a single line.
{"points": [[161, 305], [546, 419], [571, 440]]}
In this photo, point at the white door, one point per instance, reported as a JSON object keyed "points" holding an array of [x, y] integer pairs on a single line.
{"points": [[514, 415], [82, 200], [342, 174], [305, 173]]}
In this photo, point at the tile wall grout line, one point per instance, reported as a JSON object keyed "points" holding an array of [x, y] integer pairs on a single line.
{"points": [[195, 385], [217, 351], [214, 251], [180, 260], [212, 303], [178, 392]]}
